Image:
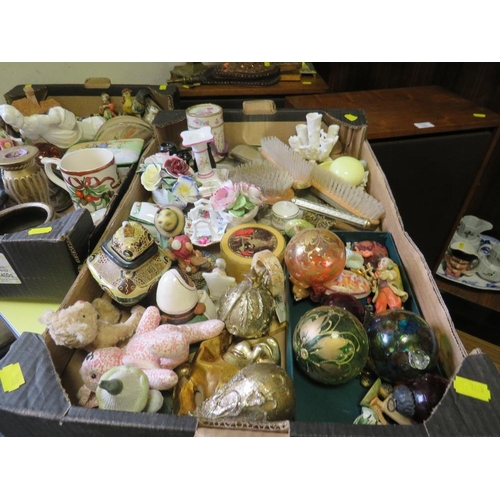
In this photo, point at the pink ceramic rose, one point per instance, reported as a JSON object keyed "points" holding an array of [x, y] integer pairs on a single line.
{"points": [[252, 193], [224, 197], [176, 166]]}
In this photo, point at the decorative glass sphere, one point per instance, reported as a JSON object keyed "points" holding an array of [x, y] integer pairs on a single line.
{"points": [[314, 256], [418, 398], [402, 345], [330, 345]]}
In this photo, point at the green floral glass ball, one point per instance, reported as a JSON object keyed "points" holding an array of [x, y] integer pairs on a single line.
{"points": [[330, 345]]}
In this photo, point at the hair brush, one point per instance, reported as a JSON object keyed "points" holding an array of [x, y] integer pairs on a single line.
{"points": [[344, 196], [274, 182], [282, 155]]}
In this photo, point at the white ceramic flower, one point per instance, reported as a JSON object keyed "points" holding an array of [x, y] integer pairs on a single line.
{"points": [[151, 178], [186, 189]]}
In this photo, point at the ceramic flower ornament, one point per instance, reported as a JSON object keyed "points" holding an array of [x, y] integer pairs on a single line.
{"points": [[150, 177], [186, 189], [237, 199], [170, 179]]}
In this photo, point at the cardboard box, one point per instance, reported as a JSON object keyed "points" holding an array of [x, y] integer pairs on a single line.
{"points": [[84, 99], [24, 253], [45, 404], [43, 264]]}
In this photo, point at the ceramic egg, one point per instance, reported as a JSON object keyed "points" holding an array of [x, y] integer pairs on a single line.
{"points": [[314, 256], [402, 345], [330, 345], [347, 168], [177, 295]]}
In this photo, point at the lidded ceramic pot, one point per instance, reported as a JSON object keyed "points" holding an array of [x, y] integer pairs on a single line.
{"points": [[23, 179], [128, 264]]}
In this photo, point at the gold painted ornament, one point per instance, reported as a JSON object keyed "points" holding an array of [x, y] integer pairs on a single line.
{"points": [[247, 308]]}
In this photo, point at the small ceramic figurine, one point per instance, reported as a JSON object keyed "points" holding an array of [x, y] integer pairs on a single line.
{"points": [[127, 102], [139, 102], [107, 109], [217, 280], [59, 126], [389, 293], [169, 221], [183, 252]]}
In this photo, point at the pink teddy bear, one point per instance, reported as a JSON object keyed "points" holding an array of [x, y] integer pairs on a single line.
{"points": [[156, 349]]}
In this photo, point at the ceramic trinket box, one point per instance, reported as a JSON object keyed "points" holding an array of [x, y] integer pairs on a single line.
{"points": [[128, 264]]}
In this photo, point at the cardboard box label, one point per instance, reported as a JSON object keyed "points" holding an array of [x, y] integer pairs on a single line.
{"points": [[7, 274]]}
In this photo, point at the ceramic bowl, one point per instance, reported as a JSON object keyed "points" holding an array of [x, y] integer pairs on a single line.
{"points": [[24, 216]]}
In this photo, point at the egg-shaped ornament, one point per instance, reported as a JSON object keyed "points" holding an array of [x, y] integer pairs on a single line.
{"points": [[330, 345], [314, 256], [402, 345], [348, 168]]}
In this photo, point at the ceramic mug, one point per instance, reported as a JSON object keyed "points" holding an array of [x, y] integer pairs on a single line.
{"points": [[461, 259], [90, 176], [489, 269]]}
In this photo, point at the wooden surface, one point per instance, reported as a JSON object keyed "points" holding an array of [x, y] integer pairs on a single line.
{"points": [[490, 300], [470, 343], [307, 85], [393, 113]]}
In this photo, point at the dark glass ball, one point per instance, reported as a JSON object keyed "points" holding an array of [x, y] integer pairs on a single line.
{"points": [[418, 398], [346, 301], [402, 345]]}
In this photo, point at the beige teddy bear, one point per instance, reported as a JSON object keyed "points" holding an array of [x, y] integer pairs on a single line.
{"points": [[90, 325]]}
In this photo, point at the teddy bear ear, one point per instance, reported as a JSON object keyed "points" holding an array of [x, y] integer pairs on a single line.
{"points": [[46, 318]]}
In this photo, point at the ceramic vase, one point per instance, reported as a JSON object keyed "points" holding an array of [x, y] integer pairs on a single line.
{"points": [[23, 179]]}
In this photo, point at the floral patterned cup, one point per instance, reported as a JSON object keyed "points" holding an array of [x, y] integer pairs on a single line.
{"points": [[89, 175]]}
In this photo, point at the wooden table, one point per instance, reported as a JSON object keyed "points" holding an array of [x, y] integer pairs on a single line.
{"points": [[227, 95], [433, 191], [393, 113]]}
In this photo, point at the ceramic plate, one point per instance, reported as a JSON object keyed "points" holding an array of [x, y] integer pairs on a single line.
{"points": [[474, 281], [201, 229], [124, 127], [126, 151]]}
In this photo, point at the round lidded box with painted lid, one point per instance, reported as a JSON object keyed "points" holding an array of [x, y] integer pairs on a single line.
{"points": [[240, 243]]}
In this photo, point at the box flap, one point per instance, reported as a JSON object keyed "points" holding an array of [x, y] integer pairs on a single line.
{"points": [[42, 394], [459, 414], [103, 423]]}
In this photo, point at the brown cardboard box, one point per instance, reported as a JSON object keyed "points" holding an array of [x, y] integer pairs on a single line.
{"points": [[84, 99], [53, 371]]}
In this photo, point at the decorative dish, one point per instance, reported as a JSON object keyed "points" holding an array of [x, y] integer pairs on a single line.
{"points": [[474, 281]]}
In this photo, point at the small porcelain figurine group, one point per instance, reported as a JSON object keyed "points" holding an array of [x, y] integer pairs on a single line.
{"points": [[137, 105]]}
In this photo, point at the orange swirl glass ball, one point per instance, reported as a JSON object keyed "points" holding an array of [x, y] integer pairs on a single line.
{"points": [[315, 256]]}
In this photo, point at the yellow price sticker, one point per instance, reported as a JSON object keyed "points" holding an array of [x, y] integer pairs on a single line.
{"points": [[306, 83], [350, 117], [472, 388], [163, 87], [40, 230], [267, 64], [479, 115], [11, 377]]}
